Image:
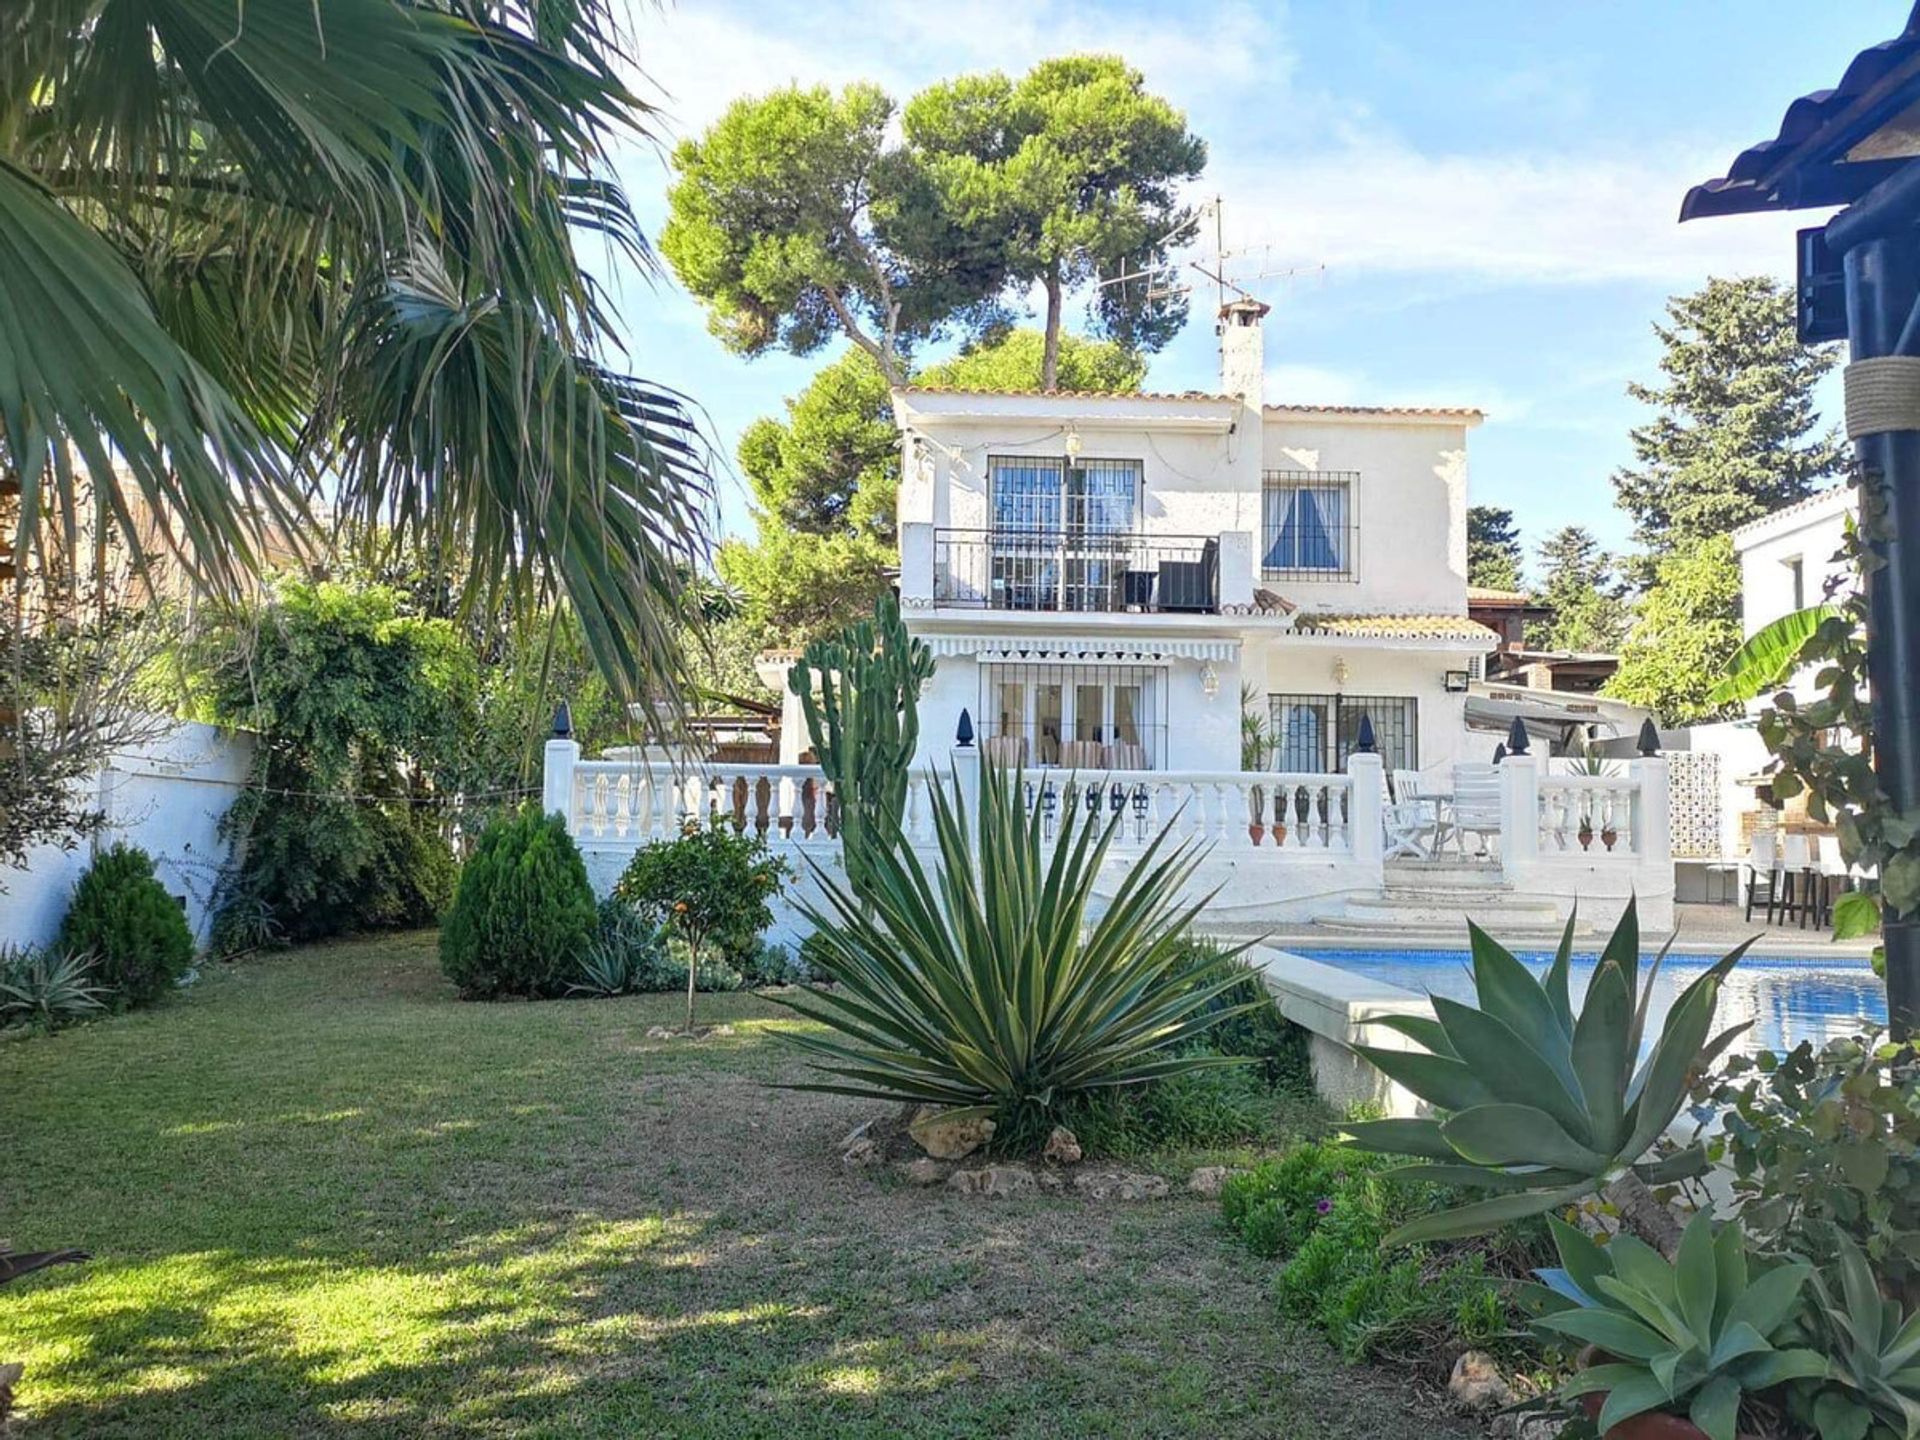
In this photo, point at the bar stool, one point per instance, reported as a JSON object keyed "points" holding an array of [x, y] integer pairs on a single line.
{"points": [[1763, 869], [1833, 875], [1794, 882]]}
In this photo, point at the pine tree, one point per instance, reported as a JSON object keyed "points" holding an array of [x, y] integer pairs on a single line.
{"points": [[1494, 556], [1584, 591], [1734, 437]]}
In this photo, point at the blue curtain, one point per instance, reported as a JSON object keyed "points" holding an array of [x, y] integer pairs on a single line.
{"points": [[1309, 529]]}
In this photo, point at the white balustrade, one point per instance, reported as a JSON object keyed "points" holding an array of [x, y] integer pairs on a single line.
{"points": [[1304, 814], [622, 802], [1594, 814], [1285, 814]]}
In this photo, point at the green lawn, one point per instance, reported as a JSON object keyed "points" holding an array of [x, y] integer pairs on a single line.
{"points": [[326, 1198]]}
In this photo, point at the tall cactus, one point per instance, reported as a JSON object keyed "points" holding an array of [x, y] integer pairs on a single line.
{"points": [[864, 723]]}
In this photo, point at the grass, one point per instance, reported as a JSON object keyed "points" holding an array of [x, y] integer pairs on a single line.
{"points": [[327, 1199]]}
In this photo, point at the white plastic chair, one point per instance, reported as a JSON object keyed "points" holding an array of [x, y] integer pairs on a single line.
{"points": [[1763, 867], [1476, 803]]}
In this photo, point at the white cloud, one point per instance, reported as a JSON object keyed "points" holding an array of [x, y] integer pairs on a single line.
{"points": [[1378, 204]]}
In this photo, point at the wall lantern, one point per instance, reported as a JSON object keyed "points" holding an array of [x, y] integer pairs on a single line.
{"points": [[1340, 671], [963, 736], [1209, 680], [1457, 682], [563, 722], [1073, 442]]}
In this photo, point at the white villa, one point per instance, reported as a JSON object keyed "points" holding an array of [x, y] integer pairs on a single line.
{"points": [[1102, 577]]}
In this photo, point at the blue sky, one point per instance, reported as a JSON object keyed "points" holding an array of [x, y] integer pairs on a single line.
{"points": [[1491, 188]]}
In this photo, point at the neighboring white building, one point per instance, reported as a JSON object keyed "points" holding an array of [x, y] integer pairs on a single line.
{"points": [[1789, 559], [1100, 575]]}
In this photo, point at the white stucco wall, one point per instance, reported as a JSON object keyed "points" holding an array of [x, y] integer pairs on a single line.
{"points": [[167, 797], [1410, 548], [1811, 534]]}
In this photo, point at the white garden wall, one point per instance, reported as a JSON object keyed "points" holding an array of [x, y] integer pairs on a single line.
{"points": [[168, 797]]}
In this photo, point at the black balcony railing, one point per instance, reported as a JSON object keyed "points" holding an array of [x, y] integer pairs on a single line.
{"points": [[1089, 572]]}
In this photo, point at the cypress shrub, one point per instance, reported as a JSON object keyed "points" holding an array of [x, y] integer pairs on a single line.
{"points": [[523, 913], [135, 931]]}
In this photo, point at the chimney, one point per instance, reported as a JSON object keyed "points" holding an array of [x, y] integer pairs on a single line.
{"points": [[1243, 350]]}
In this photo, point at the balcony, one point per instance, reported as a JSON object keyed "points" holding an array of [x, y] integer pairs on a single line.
{"points": [[1087, 572]]}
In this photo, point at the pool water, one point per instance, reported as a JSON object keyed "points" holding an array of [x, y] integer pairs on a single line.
{"points": [[1789, 998]]}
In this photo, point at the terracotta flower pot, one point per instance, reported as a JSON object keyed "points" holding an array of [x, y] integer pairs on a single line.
{"points": [[1256, 833], [1652, 1425], [1608, 836], [1648, 1425], [1279, 834], [1586, 839]]}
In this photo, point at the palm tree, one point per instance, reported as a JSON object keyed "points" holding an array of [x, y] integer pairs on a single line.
{"points": [[258, 254]]}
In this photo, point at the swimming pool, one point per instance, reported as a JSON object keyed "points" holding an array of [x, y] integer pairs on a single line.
{"points": [[1789, 998]]}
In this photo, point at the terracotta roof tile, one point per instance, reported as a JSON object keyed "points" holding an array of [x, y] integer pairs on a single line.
{"points": [[1487, 595], [1397, 627], [1812, 502], [1037, 393], [1441, 412]]}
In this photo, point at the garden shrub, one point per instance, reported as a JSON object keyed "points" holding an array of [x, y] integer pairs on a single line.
{"points": [[523, 914], [1250, 1024], [361, 709], [1326, 1210], [772, 964], [1826, 1142], [136, 933]]}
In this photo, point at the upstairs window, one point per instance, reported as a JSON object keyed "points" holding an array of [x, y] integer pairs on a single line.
{"points": [[1048, 495], [1308, 524]]}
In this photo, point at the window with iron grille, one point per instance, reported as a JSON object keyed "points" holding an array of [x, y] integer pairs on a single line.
{"points": [[1050, 495], [1081, 717], [1309, 524], [1316, 733]]}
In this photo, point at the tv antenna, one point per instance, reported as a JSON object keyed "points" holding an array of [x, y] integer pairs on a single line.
{"points": [[1169, 277]]}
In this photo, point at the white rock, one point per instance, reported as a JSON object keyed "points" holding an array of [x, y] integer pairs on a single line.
{"points": [[946, 1139], [1119, 1185], [1477, 1384], [997, 1181]]}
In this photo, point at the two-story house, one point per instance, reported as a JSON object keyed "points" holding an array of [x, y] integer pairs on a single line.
{"points": [[1195, 604], [1102, 578]]}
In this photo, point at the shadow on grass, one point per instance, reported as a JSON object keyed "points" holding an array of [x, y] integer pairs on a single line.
{"points": [[328, 1199]]}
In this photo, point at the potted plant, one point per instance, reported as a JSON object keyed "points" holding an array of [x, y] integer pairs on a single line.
{"points": [[1586, 830], [1674, 1347], [1256, 813], [1608, 834]]}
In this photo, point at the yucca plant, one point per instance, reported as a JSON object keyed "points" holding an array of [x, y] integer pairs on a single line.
{"points": [[1873, 1384], [1692, 1335], [988, 987], [1540, 1103], [47, 987]]}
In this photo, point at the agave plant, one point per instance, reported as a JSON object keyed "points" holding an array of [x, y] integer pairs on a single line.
{"points": [[1694, 1333], [47, 987], [1873, 1387], [1540, 1103], [987, 986]]}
